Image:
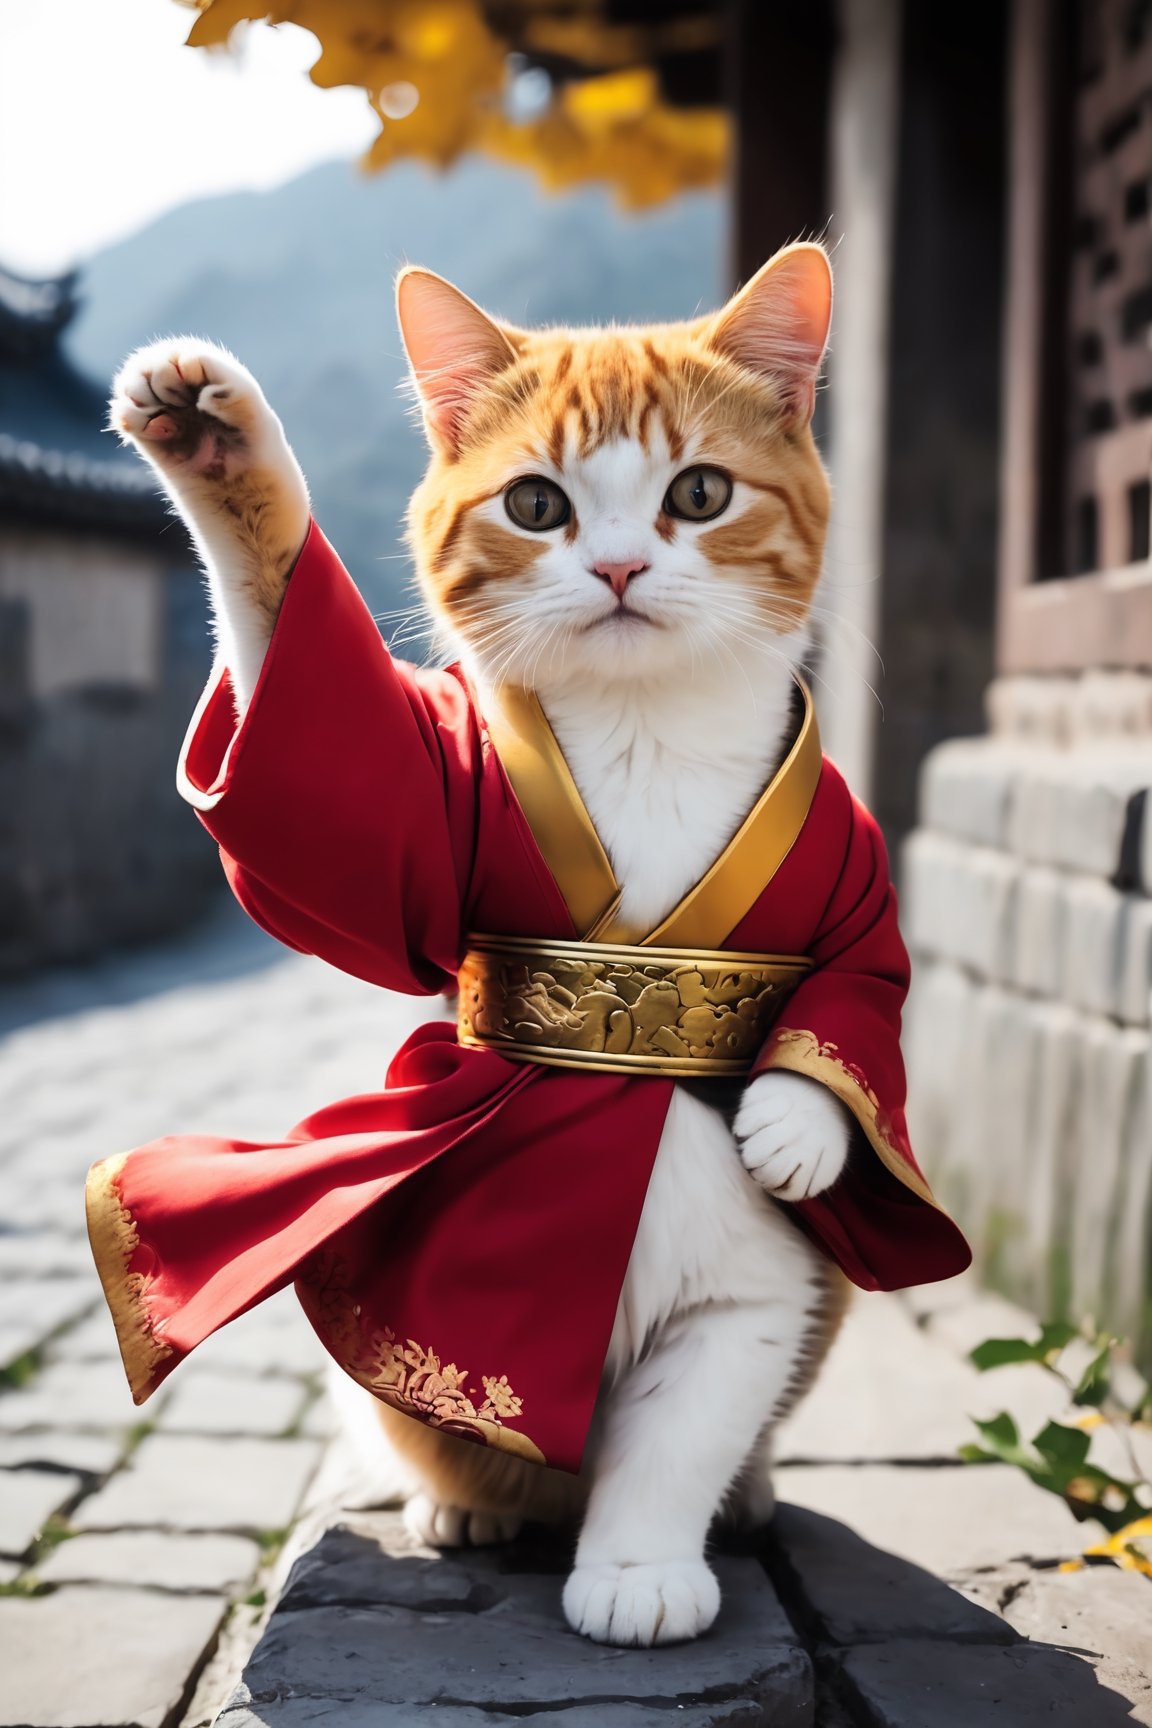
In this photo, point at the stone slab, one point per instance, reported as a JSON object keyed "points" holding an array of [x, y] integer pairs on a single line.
{"points": [[41, 1253], [72, 1394], [92, 1658], [911, 1683], [273, 1338], [32, 1308], [861, 1595], [160, 1559], [184, 1483], [884, 1393], [1101, 1612], [951, 1521], [373, 1620], [27, 1499], [206, 1403], [62, 1449], [93, 1339], [888, 1392], [302, 1712]]}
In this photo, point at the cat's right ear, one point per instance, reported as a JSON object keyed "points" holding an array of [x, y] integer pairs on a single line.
{"points": [[453, 349], [777, 325]]}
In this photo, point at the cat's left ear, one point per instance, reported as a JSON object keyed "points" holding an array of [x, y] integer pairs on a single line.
{"points": [[453, 349], [777, 325]]}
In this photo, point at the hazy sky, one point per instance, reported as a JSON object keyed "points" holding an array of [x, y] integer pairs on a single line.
{"points": [[106, 120]]}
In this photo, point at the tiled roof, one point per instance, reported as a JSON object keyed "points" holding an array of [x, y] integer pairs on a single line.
{"points": [[56, 460]]}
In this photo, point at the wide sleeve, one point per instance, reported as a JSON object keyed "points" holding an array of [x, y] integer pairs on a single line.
{"points": [[841, 1027], [344, 801]]}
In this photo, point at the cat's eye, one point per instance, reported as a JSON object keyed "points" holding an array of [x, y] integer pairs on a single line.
{"points": [[537, 504], [698, 494]]}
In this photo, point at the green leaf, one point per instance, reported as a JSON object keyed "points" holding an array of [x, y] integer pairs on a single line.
{"points": [[995, 1352], [1054, 1335], [1067, 1447], [1095, 1381], [1002, 1438], [973, 1454]]}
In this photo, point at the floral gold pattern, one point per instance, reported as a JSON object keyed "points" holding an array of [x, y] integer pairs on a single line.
{"points": [[608, 1007], [115, 1239], [407, 1376], [801, 1052]]}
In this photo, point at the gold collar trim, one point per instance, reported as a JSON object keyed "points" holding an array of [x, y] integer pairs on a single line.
{"points": [[564, 831]]}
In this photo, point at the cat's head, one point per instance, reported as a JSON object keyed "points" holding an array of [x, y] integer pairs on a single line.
{"points": [[625, 503]]}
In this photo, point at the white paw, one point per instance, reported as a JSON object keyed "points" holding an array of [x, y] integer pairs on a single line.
{"points": [[659, 1603], [793, 1134], [190, 406], [441, 1526]]}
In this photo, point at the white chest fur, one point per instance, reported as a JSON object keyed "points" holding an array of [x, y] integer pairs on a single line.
{"points": [[668, 775]]}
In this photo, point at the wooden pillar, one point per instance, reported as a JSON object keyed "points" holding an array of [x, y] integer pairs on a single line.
{"points": [[778, 79], [937, 599], [864, 138]]}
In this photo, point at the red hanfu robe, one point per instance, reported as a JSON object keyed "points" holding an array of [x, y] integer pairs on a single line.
{"points": [[459, 1239]]}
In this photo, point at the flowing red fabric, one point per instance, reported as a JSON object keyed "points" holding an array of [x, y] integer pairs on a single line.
{"points": [[460, 1238]]}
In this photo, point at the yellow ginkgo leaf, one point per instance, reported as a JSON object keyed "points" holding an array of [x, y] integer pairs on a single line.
{"points": [[452, 66]]}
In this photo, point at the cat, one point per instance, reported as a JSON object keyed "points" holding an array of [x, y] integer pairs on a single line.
{"points": [[631, 522]]}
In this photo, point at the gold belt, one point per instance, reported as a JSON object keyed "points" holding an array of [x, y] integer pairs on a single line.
{"points": [[615, 1009]]}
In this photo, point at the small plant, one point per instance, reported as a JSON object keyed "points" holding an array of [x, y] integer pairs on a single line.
{"points": [[1057, 1457], [22, 1370]]}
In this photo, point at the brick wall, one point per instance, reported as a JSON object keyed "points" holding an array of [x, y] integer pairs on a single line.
{"points": [[1028, 909]]}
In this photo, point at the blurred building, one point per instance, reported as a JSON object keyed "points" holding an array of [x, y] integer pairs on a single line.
{"points": [[102, 650], [991, 446]]}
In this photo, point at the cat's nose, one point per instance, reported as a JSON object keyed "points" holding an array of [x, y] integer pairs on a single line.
{"points": [[619, 575]]}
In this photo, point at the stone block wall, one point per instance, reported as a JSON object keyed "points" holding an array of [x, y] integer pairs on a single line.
{"points": [[1027, 905]]}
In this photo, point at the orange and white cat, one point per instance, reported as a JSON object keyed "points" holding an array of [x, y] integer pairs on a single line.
{"points": [[631, 522]]}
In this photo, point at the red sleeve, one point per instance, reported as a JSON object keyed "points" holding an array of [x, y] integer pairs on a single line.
{"points": [[344, 802], [842, 1028]]}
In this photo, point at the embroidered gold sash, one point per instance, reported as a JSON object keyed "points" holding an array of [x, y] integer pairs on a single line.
{"points": [[671, 1001]]}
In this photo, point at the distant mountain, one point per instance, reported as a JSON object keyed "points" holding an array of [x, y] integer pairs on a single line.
{"points": [[298, 282]]}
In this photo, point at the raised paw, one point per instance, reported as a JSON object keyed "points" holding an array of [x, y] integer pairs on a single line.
{"points": [[666, 1602], [441, 1526], [793, 1135], [191, 407]]}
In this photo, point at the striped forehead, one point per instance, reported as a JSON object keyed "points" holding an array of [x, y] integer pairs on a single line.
{"points": [[608, 392]]}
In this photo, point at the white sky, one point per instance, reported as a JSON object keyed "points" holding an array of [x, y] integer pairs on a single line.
{"points": [[107, 120]]}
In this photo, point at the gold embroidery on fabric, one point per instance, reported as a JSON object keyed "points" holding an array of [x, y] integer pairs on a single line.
{"points": [[407, 1376], [114, 1237], [801, 1052], [616, 1009]]}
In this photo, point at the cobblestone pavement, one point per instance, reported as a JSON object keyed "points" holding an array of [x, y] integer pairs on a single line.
{"points": [[141, 1550], [136, 1543]]}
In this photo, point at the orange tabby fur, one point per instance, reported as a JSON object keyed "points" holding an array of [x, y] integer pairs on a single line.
{"points": [[575, 390]]}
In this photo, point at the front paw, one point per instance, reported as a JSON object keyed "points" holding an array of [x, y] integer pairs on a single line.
{"points": [[190, 407], [793, 1135], [661, 1603]]}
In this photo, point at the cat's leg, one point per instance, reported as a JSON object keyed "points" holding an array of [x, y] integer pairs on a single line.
{"points": [[677, 1430], [201, 420]]}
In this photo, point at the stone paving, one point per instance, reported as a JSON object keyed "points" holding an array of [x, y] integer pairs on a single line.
{"points": [[136, 1544], [217, 1551]]}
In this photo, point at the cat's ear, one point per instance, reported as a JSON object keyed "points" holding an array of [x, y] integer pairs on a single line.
{"points": [[453, 349], [777, 325]]}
